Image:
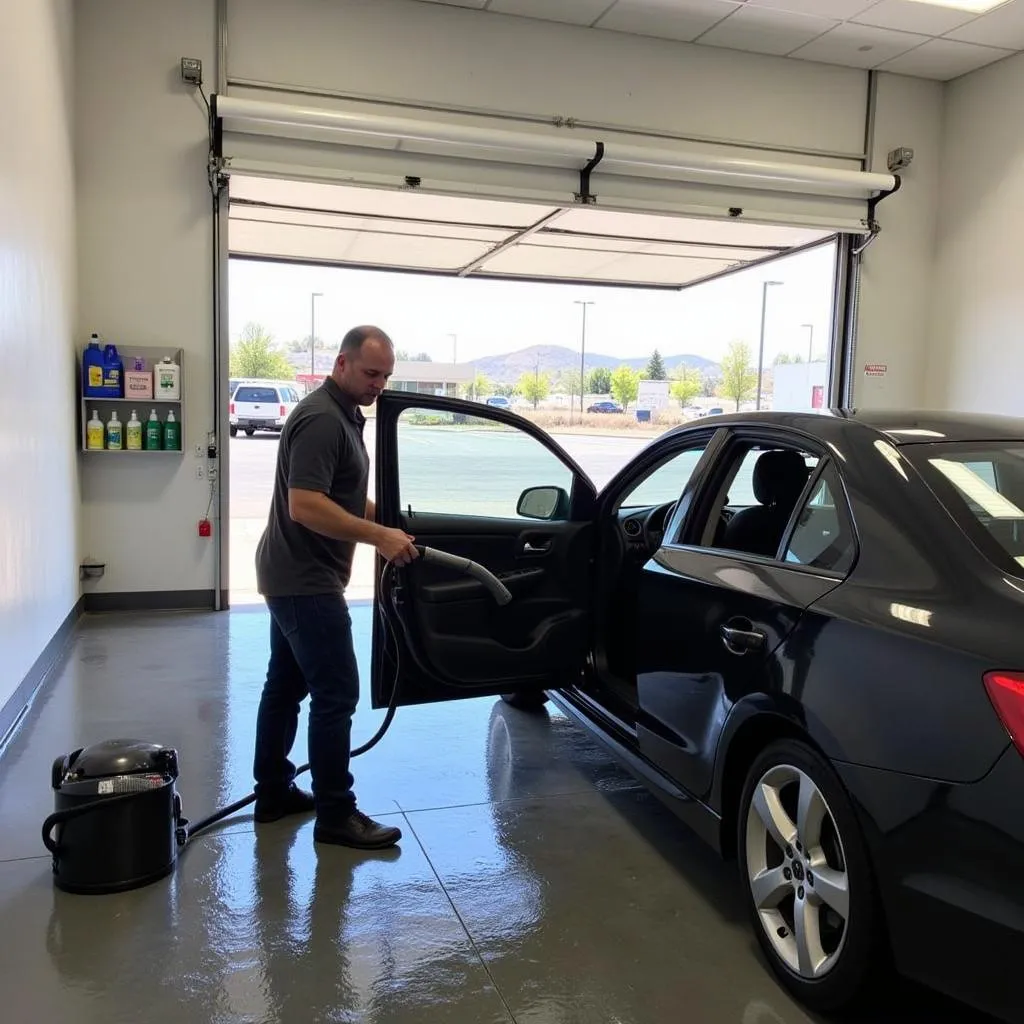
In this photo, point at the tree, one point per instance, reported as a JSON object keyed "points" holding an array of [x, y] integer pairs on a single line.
{"points": [[686, 386], [625, 385], [738, 379], [569, 383], [401, 355], [599, 381], [302, 344], [422, 357], [478, 386], [655, 369], [508, 390], [255, 354], [783, 359], [535, 387]]}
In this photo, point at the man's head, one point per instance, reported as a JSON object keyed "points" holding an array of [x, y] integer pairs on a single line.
{"points": [[365, 361]]}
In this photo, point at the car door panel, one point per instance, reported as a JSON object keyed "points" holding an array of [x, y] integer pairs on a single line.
{"points": [[443, 632], [690, 669]]}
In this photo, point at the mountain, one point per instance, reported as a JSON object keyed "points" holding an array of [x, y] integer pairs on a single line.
{"points": [[555, 359]]}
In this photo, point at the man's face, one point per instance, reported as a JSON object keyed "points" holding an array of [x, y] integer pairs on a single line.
{"points": [[363, 374]]}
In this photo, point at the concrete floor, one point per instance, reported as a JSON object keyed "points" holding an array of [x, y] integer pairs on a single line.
{"points": [[536, 882]]}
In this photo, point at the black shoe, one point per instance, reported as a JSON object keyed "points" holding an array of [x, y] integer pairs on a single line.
{"points": [[359, 831], [294, 801]]}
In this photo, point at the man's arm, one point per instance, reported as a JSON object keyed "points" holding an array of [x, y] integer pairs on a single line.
{"points": [[318, 513], [371, 510]]}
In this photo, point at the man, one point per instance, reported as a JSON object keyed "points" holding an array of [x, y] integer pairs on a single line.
{"points": [[319, 512]]}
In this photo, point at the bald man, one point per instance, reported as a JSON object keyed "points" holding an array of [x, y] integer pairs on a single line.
{"points": [[320, 511]]}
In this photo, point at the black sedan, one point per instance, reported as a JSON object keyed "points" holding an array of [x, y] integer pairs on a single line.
{"points": [[799, 630]]}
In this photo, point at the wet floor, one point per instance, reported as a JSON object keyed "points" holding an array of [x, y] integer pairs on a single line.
{"points": [[536, 882]]}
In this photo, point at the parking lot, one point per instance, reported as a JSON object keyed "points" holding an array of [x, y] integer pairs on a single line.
{"points": [[467, 478]]}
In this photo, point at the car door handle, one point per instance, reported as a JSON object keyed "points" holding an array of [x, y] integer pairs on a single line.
{"points": [[529, 548], [740, 641]]}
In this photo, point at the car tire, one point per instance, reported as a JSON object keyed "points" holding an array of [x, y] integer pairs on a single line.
{"points": [[233, 431], [526, 700], [830, 963]]}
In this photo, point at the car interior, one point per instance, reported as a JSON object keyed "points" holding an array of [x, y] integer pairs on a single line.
{"points": [[745, 510]]}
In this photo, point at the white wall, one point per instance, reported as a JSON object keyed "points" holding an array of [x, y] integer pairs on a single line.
{"points": [[144, 252], [897, 269], [38, 468], [976, 361]]}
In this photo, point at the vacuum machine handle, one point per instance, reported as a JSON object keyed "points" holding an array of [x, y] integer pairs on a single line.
{"points": [[58, 817], [468, 567]]}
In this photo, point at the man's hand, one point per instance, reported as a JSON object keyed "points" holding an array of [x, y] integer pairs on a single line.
{"points": [[396, 546]]}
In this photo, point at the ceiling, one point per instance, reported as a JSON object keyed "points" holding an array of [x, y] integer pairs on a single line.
{"points": [[902, 36], [374, 229]]}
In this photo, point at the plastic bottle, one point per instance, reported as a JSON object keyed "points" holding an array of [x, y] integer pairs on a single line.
{"points": [[94, 433], [113, 373], [154, 433], [115, 433], [172, 433], [167, 380], [133, 433], [92, 369]]}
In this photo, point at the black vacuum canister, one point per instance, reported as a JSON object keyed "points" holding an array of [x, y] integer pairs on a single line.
{"points": [[117, 820]]}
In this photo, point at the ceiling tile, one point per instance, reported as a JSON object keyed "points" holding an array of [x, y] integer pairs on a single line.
{"points": [[907, 16], [572, 12], [821, 8], [859, 46], [944, 59], [766, 31], [666, 19], [1003, 27]]}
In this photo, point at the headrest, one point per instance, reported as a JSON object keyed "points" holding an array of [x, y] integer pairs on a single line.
{"points": [[779, 477]]}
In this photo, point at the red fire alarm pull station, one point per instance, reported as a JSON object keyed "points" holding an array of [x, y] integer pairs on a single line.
{"points": [[205, 529]]}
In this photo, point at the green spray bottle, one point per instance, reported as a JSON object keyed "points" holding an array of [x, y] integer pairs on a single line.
{"points": [[154, 433], [172, 433]]}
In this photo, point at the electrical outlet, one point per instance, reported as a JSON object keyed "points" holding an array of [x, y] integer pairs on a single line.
{"points": [[200, 451], [200, 473], [192, 70]]}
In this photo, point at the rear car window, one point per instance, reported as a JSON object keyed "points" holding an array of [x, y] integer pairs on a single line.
{"points": [[982, 486], [250, 394]]}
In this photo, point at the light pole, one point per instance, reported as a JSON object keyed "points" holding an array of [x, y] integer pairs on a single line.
{"points": [[760, 352], [313, 296], [583, 357], [810, 342]]}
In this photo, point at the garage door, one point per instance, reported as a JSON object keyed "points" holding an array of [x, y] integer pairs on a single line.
{"points": [[354, 186]]}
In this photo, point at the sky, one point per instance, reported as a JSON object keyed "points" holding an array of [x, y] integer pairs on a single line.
{"points": [[421, 312]]}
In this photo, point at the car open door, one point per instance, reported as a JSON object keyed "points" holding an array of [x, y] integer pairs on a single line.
{"points": [[487, 485]]}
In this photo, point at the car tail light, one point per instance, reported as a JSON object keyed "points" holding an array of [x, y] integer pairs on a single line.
{"points": [[1006, 691], [283, 411], [231, 408]]}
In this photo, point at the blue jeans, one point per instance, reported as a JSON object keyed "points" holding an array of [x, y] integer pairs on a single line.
{"points": [[311, 652]]}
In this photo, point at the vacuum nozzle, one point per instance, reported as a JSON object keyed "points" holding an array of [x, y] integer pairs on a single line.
{"points": [[467, 567]]}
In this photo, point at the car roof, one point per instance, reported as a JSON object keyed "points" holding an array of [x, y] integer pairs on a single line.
{"points": [[899, 427]]}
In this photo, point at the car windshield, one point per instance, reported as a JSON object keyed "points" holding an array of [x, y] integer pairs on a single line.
{"points": [[248, 394], [982, 485]]}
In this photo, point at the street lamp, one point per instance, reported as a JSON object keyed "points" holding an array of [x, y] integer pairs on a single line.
{"points": [[760, 351], [313, 296], [810, 342], [583, 357]]}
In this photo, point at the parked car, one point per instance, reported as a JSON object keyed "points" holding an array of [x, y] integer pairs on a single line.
{"points": [[801, 631], [261, 406], [604, 407], [498, 402]]}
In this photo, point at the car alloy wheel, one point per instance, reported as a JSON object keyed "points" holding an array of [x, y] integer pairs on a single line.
{"points": [[796, 869], [807, 877]]}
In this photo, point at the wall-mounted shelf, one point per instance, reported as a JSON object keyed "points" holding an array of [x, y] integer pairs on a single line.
{"points": [[142, 406]]}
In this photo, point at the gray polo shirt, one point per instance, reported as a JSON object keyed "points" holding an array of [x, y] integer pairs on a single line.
{"points": [[321, 449]]}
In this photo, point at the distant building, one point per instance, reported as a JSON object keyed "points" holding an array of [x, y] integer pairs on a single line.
{"points": [[800, 387], [421, 378]]}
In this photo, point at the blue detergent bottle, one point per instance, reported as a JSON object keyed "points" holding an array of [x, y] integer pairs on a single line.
{"points": [[92, 370], [113, 373]]}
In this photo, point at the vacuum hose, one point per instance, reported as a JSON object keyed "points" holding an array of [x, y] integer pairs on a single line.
{"points": [[468, 567]]}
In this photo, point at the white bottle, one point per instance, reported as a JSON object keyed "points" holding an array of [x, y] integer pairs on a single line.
{"points": [[133, 433], [166, 380], [115, 435], [94, 432]]}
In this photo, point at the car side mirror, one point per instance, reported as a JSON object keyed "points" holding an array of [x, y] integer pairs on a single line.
{"points": [[543, 503]]}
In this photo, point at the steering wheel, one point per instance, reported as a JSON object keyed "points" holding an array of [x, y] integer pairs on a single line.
{"points": [[655, 522]]}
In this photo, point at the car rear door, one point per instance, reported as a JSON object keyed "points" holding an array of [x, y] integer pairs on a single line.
{"points": [[256, 404], [712, 618], [452, 473]]}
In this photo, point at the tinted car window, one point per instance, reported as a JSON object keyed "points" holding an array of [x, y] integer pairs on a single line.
{"points": [[250, 394], [666, 483], [822, 538], [983, 488]]}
